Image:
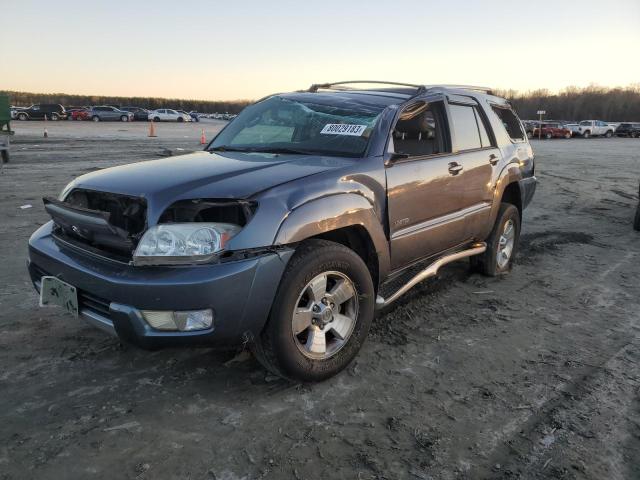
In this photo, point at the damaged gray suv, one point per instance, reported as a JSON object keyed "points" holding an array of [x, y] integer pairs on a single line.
{"points": [[303, 216]]}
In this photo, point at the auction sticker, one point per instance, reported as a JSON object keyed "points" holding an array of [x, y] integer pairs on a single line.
{"points": [[343, 129]]}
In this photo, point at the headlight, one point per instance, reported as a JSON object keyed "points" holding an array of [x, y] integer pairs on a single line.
{"points": [[181, 243]]}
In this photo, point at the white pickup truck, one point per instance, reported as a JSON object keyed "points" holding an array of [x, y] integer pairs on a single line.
{"points": [[590, 128]]}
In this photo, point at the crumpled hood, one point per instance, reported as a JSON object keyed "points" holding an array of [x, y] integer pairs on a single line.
{"points": [[205, 175]]}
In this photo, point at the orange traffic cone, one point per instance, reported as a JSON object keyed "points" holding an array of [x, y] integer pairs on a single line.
{"points": [[203, 139], [152, 129]]}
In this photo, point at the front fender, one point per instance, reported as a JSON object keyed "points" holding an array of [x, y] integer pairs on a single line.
{"points": [[331, 213]]}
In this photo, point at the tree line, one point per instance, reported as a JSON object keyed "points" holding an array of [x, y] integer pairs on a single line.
{"points": [[573, 103], [25, 99]]}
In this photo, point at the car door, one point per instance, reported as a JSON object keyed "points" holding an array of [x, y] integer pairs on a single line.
{"points": [[476, 152], [424, 184]]}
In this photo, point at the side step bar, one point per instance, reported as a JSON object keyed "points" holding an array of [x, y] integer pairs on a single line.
{"points": [[430, 271]]}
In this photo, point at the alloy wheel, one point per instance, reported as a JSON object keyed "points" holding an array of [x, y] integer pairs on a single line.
{"points": [[505, 244], [325, 315]]}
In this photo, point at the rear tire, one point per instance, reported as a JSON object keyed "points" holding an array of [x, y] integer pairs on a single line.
{"points": [[501, 242], [54, 117], [567, 136], [23, 116], [289, 349]]}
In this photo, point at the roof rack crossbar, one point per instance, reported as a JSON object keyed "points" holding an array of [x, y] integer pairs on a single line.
{"points": [[316, 86], [488, 90]]}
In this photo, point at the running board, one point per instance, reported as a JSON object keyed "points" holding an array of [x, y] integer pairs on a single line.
{"points": [[430, 271]]}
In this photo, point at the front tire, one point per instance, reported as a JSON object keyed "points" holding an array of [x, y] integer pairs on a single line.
{"points": [[502, 244], [321, 313], [548, 136], [586, 134], [95, 118], [609, 134], [23, 117]]}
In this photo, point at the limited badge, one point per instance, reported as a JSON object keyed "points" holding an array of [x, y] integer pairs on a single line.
{"points": [[343, 129]]}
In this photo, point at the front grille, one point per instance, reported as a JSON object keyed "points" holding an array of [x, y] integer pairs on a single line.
{"points": [[102, 222], [89, 301]]}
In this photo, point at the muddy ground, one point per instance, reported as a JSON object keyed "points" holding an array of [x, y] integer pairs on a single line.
{"points": [[534, 375]]}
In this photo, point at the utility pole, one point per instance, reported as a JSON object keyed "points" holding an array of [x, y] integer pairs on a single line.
{"points": [[541, 113]]}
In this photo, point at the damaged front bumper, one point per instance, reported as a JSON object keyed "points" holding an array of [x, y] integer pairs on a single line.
{"points": [[112, 295]]}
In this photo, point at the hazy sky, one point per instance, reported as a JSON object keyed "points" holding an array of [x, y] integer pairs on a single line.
{"points": [[247, 49]]}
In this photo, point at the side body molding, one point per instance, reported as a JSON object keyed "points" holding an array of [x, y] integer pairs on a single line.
{"points": [[331, 213]]}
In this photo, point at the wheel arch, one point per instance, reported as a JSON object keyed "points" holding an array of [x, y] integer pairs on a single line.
{"points": [[348, 219]]}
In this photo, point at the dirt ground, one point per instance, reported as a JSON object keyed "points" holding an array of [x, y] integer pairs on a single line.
{"points": [[534, 375]]}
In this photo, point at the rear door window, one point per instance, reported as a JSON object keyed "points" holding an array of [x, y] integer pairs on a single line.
{"points": [[510, 122], [465, 127], [482, 128]]}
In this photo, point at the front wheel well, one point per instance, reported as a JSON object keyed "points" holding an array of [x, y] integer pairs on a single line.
{"points": [[512, 195], [357, 239]]}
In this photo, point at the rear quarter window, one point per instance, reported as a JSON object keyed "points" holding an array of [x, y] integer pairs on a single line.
{"points": [[511, 123]]}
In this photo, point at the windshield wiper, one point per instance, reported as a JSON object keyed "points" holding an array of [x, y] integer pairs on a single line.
{"points": [[280, 150], [226, 148]]}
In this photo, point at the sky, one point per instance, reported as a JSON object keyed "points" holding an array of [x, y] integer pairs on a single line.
{"points": [[245, 49]]}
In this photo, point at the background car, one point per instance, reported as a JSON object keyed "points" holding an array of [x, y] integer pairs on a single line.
{"points": [[80, 114], [195, 116], [628, 130], [168, 115], [552, 130], [107, 113], [40, 111], [139, 113], [192, 118], [591, 128]]}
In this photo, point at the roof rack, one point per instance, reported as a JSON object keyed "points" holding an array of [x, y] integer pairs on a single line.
{"points": [[420, 88], [316, 86], [487, 90]]}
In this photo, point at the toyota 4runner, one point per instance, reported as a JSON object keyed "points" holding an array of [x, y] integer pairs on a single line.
{"points": [[303, 216]]}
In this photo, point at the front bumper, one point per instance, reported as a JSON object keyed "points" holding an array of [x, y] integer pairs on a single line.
{"points": [[112, 294]]}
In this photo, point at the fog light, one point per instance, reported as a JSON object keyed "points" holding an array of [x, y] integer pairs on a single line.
{"points": [[194, 320], [183, 321]]}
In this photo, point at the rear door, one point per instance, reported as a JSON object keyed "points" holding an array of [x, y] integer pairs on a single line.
{"points": [[475, 150]]}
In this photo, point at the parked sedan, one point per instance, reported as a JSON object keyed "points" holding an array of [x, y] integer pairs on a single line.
{"points": [[168, 115], [107, 113], [138, 113], [628, 130], [552, 130]]}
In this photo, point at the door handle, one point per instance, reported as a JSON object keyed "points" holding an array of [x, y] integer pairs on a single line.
{"points": [[455, 168], [493, 159]]}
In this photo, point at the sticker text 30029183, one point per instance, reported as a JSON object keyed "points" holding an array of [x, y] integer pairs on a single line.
{"points": [[343, 129]]}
